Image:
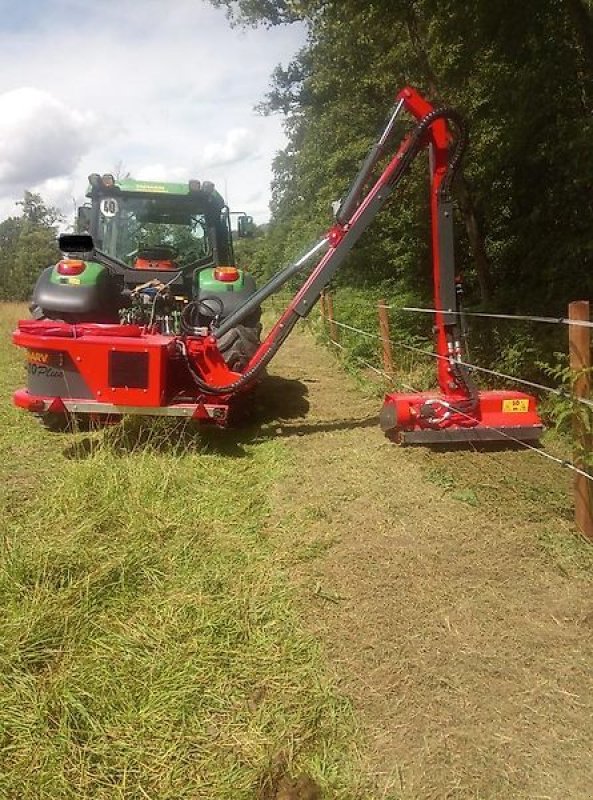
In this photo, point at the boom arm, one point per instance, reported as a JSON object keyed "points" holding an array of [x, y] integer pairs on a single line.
{"points": [[353, 218]]}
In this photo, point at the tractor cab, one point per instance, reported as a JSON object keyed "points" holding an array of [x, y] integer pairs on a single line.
{"points": [[157, 227]]}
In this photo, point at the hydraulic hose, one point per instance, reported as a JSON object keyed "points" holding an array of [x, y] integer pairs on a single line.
{"points": [[416, 143], [191, 314], [251, 374], [462, 375]]}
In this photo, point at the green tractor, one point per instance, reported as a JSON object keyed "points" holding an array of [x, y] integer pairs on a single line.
{"points": [[146, 251]]}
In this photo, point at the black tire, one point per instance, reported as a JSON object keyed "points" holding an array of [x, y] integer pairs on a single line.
{"points": [[239, 344]]}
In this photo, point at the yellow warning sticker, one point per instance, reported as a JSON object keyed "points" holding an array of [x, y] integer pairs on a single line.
{"points": [[517, 406], [74, 281]]}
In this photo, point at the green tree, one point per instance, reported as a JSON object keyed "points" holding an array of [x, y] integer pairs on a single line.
{"points": [[522, 75], [37, 213], [27, 246]]}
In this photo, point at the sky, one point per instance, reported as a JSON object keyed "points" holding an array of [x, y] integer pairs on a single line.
{"points": [[162, 89]]}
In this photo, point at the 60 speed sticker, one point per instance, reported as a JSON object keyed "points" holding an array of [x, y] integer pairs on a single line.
{"points": [[519, 405]]}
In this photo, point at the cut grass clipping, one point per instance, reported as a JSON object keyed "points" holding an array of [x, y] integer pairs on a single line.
{"points": [[148, 647]]}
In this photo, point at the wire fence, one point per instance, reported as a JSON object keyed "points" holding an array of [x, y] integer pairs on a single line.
{"points": [[558, 391], [565, 463]]}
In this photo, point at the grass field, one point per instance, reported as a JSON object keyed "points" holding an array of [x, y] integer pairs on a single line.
{"points": [[295, 611], [148, 644]]}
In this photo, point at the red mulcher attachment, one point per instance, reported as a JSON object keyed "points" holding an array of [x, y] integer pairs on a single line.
{"points": [[432, 418], [106, 370]]}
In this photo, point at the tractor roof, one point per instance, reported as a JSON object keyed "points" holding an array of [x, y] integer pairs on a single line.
{"points": [[107, 184], [129, 185], [150, 187]]}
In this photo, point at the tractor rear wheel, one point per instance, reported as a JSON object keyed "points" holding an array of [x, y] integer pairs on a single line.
{"points": [[238, 345]]}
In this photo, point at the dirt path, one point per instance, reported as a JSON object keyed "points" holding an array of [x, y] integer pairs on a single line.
{"points": [[449, 594]]}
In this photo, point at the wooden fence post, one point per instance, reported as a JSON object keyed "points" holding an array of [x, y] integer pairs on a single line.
{"points": [[322, 311], [333, 328], [388, 365], [580, 361]]}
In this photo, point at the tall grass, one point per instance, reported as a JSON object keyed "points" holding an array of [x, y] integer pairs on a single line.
{"points": [[148, 646]]}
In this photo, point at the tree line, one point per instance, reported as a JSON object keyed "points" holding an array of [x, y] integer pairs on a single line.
{"points": [[522, 76], [520, 73]]}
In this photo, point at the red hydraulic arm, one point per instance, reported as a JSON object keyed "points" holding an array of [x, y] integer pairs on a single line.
{"points": [[443, 263], [459, 412]]}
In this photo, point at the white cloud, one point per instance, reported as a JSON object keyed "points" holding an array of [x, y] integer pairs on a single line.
{"points": [[57, 192], [238, 144], [172, 100], [161, 172], [40, 137]]}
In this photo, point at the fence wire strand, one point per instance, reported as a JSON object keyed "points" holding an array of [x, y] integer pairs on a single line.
{"points": [[518, 317]]}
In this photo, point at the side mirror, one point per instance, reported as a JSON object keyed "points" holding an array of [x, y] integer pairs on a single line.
{"points": [[76, 243], [83, 219], [245, 226]]}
